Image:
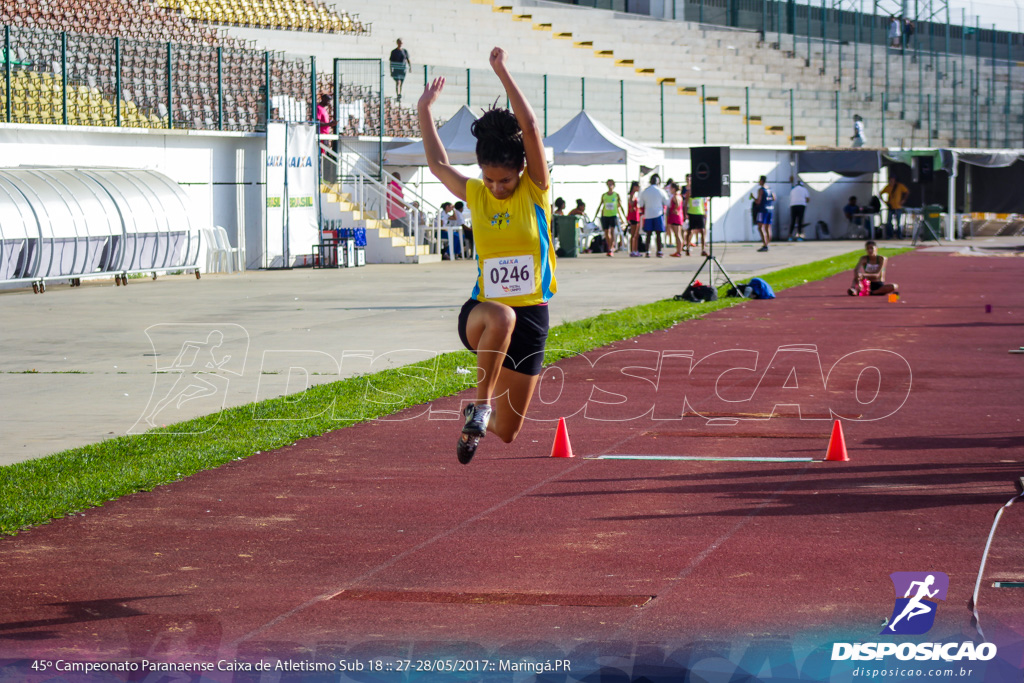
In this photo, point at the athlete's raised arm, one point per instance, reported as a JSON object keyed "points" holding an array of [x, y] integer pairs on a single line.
{"points": [[533, 141], [437, 157]]}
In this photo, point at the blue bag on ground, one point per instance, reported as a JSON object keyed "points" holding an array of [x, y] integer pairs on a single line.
{"points": [[759, 289]]}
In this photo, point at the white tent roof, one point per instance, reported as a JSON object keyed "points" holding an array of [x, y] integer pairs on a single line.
{"points": [[455, 136], [585, 140]]}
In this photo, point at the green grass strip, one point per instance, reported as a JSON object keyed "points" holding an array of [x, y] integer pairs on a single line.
{"points": [[40, 490]]}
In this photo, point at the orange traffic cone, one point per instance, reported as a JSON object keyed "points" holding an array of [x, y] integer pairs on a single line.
{"points": [[561, 447], [837, 445]]}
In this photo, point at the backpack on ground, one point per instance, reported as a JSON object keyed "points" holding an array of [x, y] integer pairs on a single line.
{"points": [[755, 289], [698, 293]]}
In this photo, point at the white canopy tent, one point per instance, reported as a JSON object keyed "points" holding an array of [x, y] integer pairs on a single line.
{"points": [[455, 136], [585, 141]]}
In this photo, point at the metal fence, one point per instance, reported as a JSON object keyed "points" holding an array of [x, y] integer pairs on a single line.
{"points": [[69, 79]]}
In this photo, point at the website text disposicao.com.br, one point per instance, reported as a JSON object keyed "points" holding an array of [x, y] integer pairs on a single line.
{"points": [[909, 673]]}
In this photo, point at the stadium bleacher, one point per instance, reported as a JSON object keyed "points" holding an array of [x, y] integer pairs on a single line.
{"points": [[165, 86], [295, 15], [792, 83], [675, 81]]}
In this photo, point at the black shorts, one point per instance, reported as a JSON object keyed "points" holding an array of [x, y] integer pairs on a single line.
{"points": [[696, 221], [608, 222], [526, 348], [875, 284]]}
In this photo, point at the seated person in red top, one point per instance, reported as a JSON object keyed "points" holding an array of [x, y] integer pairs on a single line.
{"points": [[871, 269]]}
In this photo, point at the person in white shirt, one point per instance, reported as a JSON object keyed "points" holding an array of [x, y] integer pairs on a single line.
{"points": [[858, 131], [653, 202], [896, 32], [799, 197]]}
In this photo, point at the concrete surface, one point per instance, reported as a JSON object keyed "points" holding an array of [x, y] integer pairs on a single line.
{"points": [[81, 365]]}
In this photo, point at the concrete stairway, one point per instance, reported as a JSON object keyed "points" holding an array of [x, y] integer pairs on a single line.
{"points": [[385, 243]]}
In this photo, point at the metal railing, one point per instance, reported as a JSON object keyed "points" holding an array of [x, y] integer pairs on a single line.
{"points": [[369, 186]]}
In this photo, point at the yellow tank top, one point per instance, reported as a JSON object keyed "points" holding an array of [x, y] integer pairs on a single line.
{"points": [[515, 255]]}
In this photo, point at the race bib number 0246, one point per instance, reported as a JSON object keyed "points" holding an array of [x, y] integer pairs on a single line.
{"points": [[508, 276]]}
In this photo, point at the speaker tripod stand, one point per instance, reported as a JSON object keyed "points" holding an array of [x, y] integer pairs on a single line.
{"points": [[710, 261]]}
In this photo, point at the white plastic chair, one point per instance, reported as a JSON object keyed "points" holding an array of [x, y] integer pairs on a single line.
{"points": [[231, 254], [214, 254], [218, 256], [587, 230]]}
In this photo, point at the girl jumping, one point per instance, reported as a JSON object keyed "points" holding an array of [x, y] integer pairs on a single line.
{"points": [[505, 320]]}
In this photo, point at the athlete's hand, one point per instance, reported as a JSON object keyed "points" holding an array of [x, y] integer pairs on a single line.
{"points": [[498, 59], [431, 93]]}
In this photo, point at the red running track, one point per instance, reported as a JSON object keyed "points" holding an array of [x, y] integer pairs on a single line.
{"points": [[375, 535]]}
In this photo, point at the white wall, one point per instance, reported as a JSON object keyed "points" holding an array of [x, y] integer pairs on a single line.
{"points": [[223, 172], [220, 172]]}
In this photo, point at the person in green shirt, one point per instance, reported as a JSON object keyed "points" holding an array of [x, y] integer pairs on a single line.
{"points": [[696, 209], [610, 208]]}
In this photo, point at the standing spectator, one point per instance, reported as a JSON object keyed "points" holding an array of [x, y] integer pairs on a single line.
{"points": [[908, 33], [400, 64], [396, 203], [764, 204], [653, 202], [453, 239], [799, 198], [676, 217], [467, 229], [896, 32], [894, 194], [858, 131], [633, 218], [323, 115], [421, 220], [696, 210], [611, 209]]}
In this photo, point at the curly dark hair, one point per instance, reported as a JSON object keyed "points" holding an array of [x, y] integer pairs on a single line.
{"points": [[499, 140]]}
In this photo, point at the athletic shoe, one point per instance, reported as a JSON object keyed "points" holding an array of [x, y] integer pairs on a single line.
{"points": [[660, 254], [474, 430], [647, 254], [764, 248]]}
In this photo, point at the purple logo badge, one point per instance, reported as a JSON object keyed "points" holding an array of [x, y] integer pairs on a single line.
{"points": [[916, 595]]}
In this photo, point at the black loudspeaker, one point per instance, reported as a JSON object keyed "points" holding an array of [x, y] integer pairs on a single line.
{"points": [[709, 171], [924, 171]]}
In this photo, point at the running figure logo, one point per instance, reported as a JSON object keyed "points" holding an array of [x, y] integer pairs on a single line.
{"points": [[203, 360], [914, 613]]}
